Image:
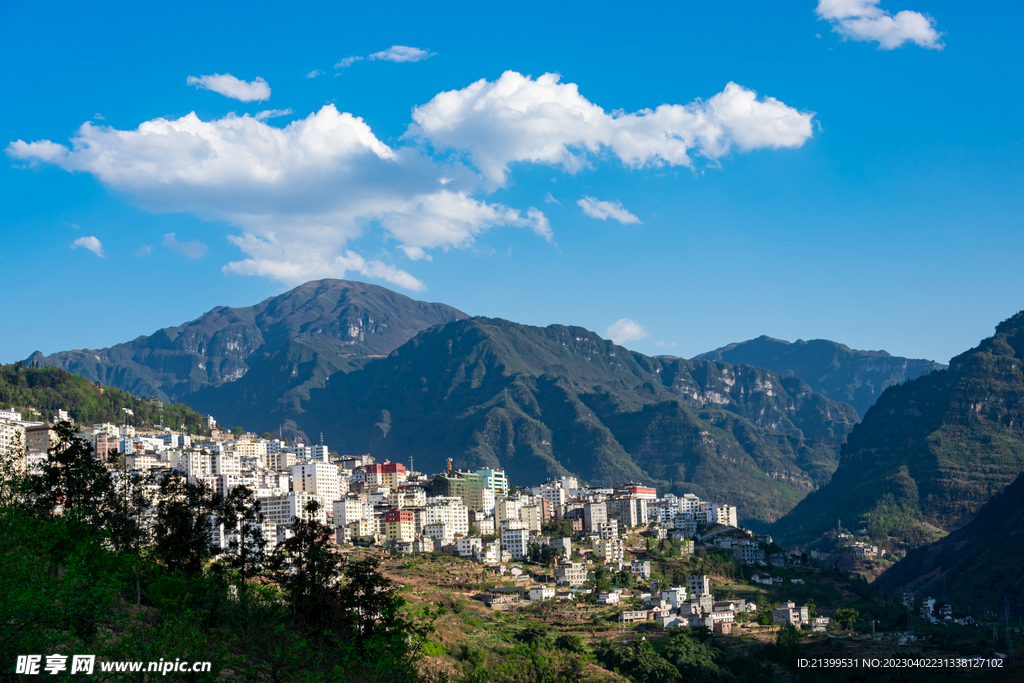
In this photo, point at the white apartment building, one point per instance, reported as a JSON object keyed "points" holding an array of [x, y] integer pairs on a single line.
{"points": [[284, 509], [349, 510], [256, 450], [196, 464], [507, 508], [450, 511], [12, 436], [439, 531], [515, 541], [469, 547], [530, 516], [226, 464], [317, 477]]}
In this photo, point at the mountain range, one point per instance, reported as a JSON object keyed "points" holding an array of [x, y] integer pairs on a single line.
{"points": [[930, 452], [830, 369], [256, 364], [377, 371]]}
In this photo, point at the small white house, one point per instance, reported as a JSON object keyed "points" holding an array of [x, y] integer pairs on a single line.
{"points": [[608, 598], [538, 593]]}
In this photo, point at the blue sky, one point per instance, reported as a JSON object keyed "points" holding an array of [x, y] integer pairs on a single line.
{"points": [[861, 181]]}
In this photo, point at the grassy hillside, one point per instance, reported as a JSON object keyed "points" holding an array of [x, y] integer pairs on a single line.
{"points": [[46, 390]]}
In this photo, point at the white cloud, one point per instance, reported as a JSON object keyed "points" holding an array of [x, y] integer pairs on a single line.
{"points": [[666, 345], [90, 243], [314, 73], [299, 194], [402, 53], [625, 330], [864, 20], [144, 251], [312, 266], [605, 210], [347, 61], [98, 116], [273, 113], [518, 118], [194, 249], [229, 86], [550, 199]]}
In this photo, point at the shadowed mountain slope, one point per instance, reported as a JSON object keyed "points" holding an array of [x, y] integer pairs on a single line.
{"points": [[930, 452], [557, 400]]}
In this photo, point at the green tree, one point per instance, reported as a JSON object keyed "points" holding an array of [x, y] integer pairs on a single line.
{"points": [[846, 617], [695, 660], [183, 529]]}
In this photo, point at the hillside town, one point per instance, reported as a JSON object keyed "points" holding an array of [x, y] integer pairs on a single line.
{"points": [[573, 531]]}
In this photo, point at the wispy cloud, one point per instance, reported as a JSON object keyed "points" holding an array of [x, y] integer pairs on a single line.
{"points": [[98, 116], [666, 345], [595, 208], [402, 53], [395, 53], [314, 73], [625, 330], [194, 249], [550, 199], [347, 62], [273, 113], [864, 20], [227, 85], [144, 251], [90, 243]]}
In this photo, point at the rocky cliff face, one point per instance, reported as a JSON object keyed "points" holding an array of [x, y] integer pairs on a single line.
{"points": [[830, 369], [930, 452]]}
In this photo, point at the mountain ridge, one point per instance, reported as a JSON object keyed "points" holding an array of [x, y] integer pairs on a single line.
{"points": [[835, 370], [315, 329], [556, 400], [930, 452]]}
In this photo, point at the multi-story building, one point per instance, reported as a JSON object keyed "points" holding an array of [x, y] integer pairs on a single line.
{"points": [[226, 464], [284, 509], [348, 510], [469, 547], [594, 514], [698, 584], [610, 550], [515, 541], [788, 613], [12, 436], [531, 517], [387, 473], [256, 450], [399, 526], [629, 512], [570, 573], [196, 464], [562, 546], [636, 490], [494, 479], [450, 511], [317, 477], [39, 439]]}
